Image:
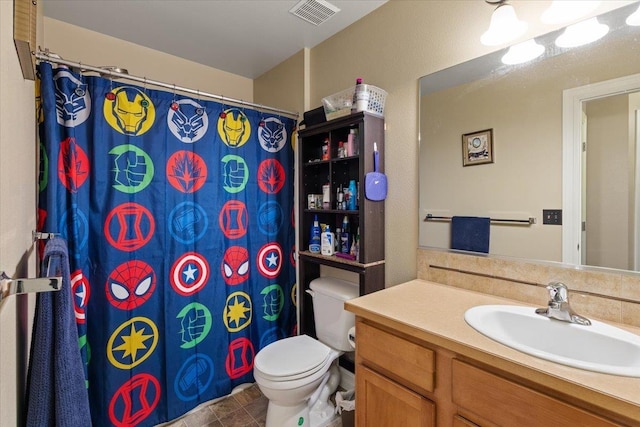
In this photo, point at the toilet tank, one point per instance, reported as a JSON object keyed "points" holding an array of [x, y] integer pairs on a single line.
{"points": [[331, 319]]}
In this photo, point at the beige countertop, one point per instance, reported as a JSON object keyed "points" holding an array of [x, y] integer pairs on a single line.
{"points": [[435, 313]]}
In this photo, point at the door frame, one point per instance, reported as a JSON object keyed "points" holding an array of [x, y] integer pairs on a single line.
{"points": [[572, 101]]}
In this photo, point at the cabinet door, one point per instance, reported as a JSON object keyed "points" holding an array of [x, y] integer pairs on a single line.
{"points": [[484, 396], [382, 402]]}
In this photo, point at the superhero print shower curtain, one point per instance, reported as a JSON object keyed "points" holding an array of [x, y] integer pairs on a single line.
{"points": [[178, 214]]}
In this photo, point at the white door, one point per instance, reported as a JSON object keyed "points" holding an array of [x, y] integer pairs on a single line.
{"points": [[636, 219], [582, 244]]}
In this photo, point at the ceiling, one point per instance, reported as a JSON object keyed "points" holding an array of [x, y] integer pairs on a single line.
{"points": [[243, 37]]}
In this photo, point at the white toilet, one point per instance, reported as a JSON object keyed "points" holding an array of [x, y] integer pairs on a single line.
{"points": [[299, 374]]}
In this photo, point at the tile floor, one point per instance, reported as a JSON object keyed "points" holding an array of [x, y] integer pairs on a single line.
{"points": [[247, 408]]}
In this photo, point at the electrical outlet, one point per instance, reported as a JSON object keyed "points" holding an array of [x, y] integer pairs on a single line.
{"points": [[552, 216]]}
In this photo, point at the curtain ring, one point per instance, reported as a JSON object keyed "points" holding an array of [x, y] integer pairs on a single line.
{"points": [[78, 90]]}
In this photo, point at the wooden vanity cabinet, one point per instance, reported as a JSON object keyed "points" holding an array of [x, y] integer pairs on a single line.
{"points": [[384, 402], [393, 378], [404, 381]]}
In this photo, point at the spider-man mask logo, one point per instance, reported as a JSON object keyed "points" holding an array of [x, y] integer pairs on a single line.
{"points": [[235, 265], [130, 285]]}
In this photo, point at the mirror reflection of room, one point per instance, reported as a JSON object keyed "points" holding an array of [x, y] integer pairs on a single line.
{"points": [[523, 106]]}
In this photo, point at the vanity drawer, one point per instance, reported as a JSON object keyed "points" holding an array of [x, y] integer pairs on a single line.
{"points": [[402, 360], [484, 396]]}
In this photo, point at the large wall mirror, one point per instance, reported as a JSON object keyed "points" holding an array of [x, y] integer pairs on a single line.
{"points": [[597, 191]]}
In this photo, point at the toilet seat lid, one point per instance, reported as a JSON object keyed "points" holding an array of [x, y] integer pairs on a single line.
{"points": [[292, 357]]}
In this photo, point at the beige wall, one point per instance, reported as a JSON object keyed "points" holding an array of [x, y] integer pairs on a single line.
{"points": [[18, 172], [89, 47], [525, 178], [284, 86]]}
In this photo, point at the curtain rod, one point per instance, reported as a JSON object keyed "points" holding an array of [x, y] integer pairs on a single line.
{"points": [[49, 57]]}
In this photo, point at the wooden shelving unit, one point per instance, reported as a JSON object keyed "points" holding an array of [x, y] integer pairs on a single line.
{"points": [[368, 216]]}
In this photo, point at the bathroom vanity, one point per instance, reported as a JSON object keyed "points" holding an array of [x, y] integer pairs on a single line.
{"points": [[418, 363]]}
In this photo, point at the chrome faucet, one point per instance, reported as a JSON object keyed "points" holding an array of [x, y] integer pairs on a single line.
{"points": [[558, 306]]}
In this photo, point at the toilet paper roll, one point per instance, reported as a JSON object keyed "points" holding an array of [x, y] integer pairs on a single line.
{"points": [[351, 336]]}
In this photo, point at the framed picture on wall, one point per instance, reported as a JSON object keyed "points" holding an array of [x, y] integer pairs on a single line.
{"points": [[477, 147]]}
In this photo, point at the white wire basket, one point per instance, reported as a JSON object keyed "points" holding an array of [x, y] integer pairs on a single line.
{"points": [[339, 104]]}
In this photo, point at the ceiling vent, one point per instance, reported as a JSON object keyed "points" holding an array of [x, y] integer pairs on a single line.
{"points": [[314, 11]]}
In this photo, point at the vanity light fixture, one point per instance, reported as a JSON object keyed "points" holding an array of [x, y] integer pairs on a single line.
{"points": [[634, 19], [565, 11], [582, 33], [523, 52], [504, 26]]}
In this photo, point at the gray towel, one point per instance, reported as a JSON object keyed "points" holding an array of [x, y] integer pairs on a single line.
{"points": [[56, 392]]}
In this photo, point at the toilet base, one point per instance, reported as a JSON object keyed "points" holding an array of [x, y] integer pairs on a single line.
{"points": [[288, 416], [315, 412]]}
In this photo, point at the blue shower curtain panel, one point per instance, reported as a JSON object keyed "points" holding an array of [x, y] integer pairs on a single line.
{"points": [[178, 214]]}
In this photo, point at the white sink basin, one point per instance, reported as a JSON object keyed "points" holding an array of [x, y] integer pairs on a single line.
{"points": [[599, 347]]}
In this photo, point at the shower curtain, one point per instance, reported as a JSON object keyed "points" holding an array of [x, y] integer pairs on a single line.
{"points": [[178, 214]]}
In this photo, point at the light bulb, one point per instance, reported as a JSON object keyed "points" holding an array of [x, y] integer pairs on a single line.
{"points": [[582, 33], [563, 11], [523, 52], [504, 27]]}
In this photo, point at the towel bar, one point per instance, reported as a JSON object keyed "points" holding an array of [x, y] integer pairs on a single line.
{"points": [[529, 221], [9, 286], [41, 235]]}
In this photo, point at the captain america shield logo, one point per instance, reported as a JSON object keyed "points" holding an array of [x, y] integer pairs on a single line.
{"points": [[270, 260], [81, 291], [189, 273]]}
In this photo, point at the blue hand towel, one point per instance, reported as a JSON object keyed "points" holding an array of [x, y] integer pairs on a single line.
{"points": [[56, 390], [470, 233]]}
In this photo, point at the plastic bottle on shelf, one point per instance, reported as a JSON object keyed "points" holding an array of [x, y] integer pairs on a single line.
{"points": [[326, 196], [360, 97], [344, 237], [325, 149], [338, 240], [351, 142], [352, 195], [327, 242], [314, 240]]}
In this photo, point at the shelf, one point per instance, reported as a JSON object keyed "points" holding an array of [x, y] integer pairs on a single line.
{"points": [[332, 211], [333, 160], [334, 261]]}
